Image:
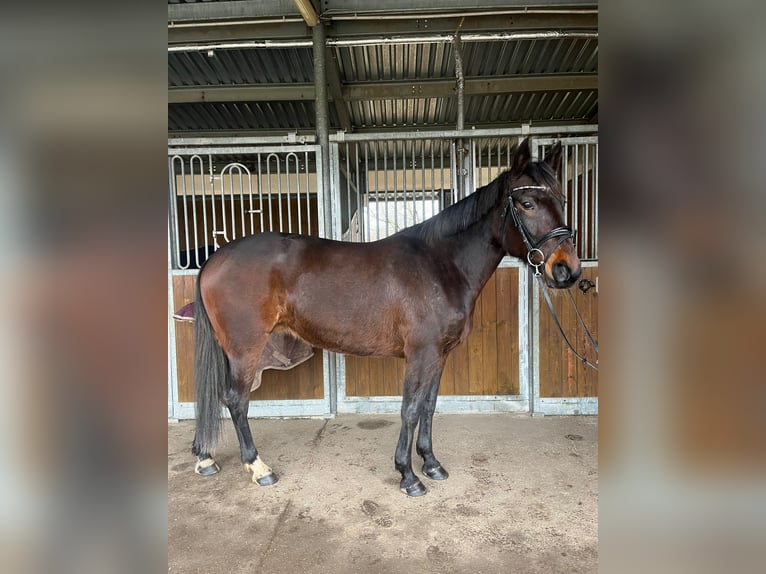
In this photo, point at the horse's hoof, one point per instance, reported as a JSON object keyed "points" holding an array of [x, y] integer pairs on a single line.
{"points": [[436, 473], [415, 489], [267, 480], [207, 467]]}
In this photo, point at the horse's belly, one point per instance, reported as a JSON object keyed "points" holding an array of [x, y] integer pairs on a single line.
{"points": [[345, 330]]}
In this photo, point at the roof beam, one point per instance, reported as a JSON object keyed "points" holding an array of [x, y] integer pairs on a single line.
{"points": [[335, 91], [473, 87], [377, 129], [183, 12], [382, 90], [306, 8], [249, 93], [192, 32]]}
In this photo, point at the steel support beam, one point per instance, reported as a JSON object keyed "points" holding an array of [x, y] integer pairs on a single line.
{"points": [[250, 93], [228, 10], [380, 90], [307, 10], [295, 28], [335, 87]]}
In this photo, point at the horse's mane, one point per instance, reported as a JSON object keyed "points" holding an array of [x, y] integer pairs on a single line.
{"points": [[461, 215]]}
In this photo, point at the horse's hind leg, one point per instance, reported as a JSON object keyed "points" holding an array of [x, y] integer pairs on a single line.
{"points": [[238, 400], [432, 468], [206, 465]]}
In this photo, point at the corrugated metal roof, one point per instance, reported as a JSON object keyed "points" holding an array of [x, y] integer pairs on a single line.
{"points": [[199, 103]]}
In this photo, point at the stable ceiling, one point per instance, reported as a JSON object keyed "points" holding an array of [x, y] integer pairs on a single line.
{"points": [[246, 68]]}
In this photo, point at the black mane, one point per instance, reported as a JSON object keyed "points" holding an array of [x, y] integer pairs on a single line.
{"points": [[461, 215]]}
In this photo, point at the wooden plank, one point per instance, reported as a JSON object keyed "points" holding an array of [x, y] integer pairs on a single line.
{"points": [[183, 293], [489, 336], [507, 332], [475, 354], [460, 369], [377, 380], [355, 369], [447, 385]]}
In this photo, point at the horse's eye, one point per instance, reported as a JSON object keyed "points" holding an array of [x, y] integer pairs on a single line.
{"points": [[527, 204]]}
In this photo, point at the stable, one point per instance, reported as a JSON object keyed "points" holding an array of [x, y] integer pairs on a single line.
{"points": [[355, 123]]}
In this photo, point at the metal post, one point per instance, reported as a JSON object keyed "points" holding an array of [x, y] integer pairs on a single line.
{"points": [[323, 139], [462, 169], [322, 117]]}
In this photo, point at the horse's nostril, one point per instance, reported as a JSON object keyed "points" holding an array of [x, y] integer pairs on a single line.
{"points": [[576, 273], [561, 272]]}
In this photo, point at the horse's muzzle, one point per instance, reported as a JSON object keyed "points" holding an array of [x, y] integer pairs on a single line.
{"points": [[564, 277]]}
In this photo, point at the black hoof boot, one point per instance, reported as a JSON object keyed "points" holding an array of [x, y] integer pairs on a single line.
{"points": [[415, 489], [436, 473], [267, 480], [207, 467]]}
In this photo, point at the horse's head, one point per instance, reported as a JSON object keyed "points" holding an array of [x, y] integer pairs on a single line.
{"points": [[533, 227]]}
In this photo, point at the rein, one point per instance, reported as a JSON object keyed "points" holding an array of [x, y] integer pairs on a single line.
{"points": [[536, 259]]}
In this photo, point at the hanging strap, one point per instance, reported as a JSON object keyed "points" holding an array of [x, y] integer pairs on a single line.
{"points": [[548, 301]]}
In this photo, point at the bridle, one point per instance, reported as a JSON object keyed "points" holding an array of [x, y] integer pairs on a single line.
{"points": [[536, 259], [535, 256]]}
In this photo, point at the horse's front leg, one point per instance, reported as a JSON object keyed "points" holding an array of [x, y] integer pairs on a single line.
{"points": [[432, 468], [419, 371]]}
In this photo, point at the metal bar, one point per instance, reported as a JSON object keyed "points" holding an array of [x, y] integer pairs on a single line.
{"points": [[369, 203], [454, 134], [306, 8], [585, 204], [246, 150], [348, 188], [240, 140], [319, 43], [232, 9], [396, 189], [423, 179], [381, 41], [194, 209], [173, 205], [241, 93], [595, 202], [186, 217], [289, 189], [424, 14]]}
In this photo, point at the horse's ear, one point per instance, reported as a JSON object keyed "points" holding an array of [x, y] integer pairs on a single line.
{"points": [[521, 157], [553, 158]]}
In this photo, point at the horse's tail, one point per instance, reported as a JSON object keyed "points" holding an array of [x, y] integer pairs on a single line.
{"points": [[212, 377]]}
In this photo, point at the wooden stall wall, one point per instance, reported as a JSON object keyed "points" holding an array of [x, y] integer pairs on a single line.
{"points": [[561, 373], [485, 364]]}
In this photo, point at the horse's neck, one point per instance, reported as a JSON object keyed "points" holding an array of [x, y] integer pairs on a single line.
{"points": [[476, 254]]}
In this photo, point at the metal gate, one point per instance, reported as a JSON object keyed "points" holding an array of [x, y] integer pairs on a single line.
{"points": [[219, 191]]}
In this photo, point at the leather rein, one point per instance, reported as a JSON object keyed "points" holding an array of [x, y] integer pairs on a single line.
{"points": [[536, 259]]}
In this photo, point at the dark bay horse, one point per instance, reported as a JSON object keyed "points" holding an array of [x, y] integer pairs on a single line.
{"points": [[409, 295]]}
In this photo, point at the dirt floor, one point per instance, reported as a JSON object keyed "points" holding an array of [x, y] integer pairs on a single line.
{"points": [[522, 497]]}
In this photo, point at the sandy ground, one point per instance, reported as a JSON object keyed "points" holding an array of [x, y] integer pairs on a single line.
{"points": [[522, 497]]}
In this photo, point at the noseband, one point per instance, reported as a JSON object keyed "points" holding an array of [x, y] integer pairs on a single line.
{"points": [[535, 256]]}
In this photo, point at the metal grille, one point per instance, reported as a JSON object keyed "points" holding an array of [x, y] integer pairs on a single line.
{"points": [[579, 176], [217, 196], [388, 185]]}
